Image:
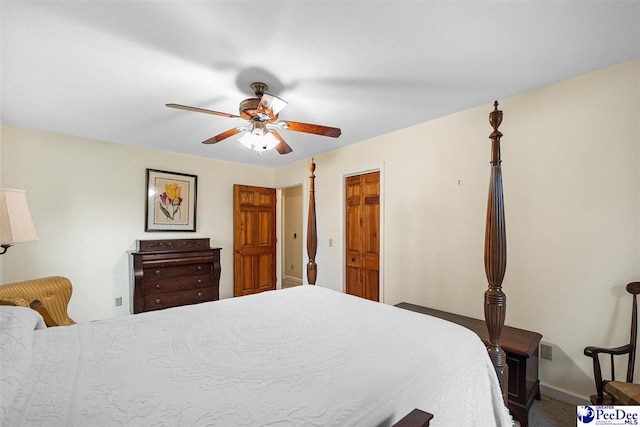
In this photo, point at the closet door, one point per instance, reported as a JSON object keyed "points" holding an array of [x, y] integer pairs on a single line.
{"points": [[362, 222]]}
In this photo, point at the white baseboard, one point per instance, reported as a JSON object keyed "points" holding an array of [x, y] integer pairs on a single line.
{"points": [[563, 395]]}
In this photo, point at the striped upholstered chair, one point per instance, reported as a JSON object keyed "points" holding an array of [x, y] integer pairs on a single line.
{"points": [[49, 296]]}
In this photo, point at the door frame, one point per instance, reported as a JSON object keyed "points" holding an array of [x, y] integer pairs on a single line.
{"points": [[345, 174], [280, 229]]}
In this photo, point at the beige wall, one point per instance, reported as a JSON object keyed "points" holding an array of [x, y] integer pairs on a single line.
{"points": [[572, 194], [87, 202]]}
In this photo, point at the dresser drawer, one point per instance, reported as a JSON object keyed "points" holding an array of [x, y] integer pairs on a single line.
{"points": [[172, 245], [173, 299], [176, 284], [165, 272]]}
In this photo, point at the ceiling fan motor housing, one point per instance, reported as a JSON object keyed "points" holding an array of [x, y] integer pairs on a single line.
{"points": [[248, 108], [248, 111]]}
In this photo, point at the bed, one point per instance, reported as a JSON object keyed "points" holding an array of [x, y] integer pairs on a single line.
{"points": [[304, 356], [277, 358]]}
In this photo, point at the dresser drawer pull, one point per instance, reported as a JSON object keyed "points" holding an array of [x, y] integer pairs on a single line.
{"points": [[199, 280], [158, 286], [199, 268], [158, 272], [199, 294], [157, 300]]}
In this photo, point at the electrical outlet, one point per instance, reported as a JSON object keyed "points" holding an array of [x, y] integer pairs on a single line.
{"points": [[546, 351], [118, 301]]}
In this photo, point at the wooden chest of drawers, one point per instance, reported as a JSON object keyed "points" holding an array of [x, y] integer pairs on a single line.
{"points": [[169, 273]]}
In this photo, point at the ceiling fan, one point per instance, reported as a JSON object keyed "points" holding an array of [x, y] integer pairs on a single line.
{"points": [[262, 114]]}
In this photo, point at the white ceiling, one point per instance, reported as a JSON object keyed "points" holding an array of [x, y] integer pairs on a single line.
{"points": [[105, 69]]}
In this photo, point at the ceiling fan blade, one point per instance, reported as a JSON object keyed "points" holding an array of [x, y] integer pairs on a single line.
{"points": [[283, 147], [270, 106], [202, 110], [223, 135], [309, 128]]}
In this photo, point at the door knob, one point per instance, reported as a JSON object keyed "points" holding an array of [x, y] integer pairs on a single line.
{"points": [[238, 251]]}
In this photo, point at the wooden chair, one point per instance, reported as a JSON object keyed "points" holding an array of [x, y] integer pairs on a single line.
{"points": [[49, 296], [618, 392]]}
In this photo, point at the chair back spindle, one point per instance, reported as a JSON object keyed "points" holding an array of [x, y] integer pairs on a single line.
{"points": [[634, 289]]}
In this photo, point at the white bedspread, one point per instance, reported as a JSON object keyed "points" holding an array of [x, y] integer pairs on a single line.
{"points": [[305, 356]]}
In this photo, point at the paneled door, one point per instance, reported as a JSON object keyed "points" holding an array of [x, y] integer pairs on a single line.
{"points": [[362, 223], [254, 239]]}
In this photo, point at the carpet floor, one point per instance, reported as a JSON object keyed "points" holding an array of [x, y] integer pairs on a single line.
{"points": [[549, 412]]}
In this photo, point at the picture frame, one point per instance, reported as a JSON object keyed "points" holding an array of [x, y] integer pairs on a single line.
{"points": [[170, 203]]}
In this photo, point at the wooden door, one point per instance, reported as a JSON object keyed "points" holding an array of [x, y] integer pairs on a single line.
{"points": [[254, 239], [362, 222]]}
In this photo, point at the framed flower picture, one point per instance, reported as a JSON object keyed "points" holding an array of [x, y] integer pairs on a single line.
{"points": [[171, 201]]}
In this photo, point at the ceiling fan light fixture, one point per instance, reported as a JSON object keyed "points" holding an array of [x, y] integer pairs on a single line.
{"points": [[259, 140], [248, 139], [269, 141]]}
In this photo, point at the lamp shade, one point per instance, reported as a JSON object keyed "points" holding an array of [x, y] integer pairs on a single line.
{"points": [[16, 225]]}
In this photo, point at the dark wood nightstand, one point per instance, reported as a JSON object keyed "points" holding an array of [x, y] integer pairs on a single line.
{"points": [[521, 347]]}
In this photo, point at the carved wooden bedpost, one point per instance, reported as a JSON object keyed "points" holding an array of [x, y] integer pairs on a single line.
{"points": [[312, 233], [495, 257]]}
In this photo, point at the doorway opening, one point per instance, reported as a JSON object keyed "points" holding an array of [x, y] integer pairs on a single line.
{"points": [[291, 246]]}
